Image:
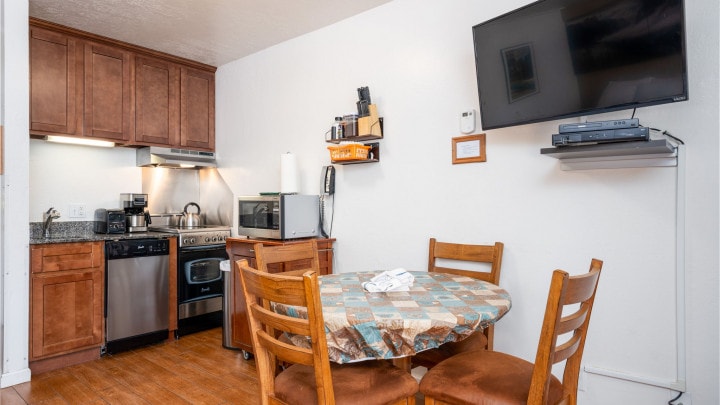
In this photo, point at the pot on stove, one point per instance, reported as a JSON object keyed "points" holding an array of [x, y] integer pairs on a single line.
{"points": [[190, 219]]}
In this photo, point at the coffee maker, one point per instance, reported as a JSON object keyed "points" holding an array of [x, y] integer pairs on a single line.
{"points": [[136, 218]]}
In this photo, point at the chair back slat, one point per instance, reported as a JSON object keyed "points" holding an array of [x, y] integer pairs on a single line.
{"points": [[276, 289], [283, 351], [277, 321], [565, 290], [567, 349]]}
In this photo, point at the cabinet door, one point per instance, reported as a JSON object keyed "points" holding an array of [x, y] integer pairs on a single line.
{"points": [[66, 312], [55, 83], [109, 108], [157, 102], [197, 109], [239, 319]]}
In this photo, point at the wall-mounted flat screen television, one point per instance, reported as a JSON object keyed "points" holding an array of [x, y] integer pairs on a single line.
{"points": [[556, 59]]}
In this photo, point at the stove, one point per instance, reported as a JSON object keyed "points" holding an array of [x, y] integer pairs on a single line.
{"points": [[203, 235], [201, 249]]}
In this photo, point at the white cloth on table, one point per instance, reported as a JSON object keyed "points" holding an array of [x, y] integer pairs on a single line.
{"points": [[390, 280]]}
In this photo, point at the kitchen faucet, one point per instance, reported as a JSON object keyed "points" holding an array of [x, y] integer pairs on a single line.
{"points": [[48, 216]]}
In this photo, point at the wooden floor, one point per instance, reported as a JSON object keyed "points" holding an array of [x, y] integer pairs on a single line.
{"points": [[195, 369]]}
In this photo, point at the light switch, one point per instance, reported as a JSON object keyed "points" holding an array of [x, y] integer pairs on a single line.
{"points": [[77, 211]]}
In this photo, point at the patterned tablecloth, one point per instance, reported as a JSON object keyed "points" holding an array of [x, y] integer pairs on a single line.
{"points": [[439, 308]]}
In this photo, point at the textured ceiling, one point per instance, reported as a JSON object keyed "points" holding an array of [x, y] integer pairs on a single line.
{"points": [[213, 32]]}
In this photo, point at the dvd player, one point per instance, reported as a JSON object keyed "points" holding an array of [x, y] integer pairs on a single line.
{"points": [[598, 125], [609, 135]]}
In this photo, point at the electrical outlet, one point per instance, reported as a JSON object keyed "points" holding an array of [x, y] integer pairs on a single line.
{"points": [[77, 211]]}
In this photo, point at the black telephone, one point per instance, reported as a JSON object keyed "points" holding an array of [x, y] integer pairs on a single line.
{"points": [[328, 179]]}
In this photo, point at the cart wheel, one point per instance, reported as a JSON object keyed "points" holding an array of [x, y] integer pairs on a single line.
{"points": [[247, 355]]}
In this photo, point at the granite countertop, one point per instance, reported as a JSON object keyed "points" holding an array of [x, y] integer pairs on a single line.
{"points": [[82, 231]]}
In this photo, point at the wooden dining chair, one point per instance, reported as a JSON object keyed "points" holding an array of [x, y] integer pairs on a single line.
{"points": [[484, 376], [311, 379], [293, 259], [460, 256]]}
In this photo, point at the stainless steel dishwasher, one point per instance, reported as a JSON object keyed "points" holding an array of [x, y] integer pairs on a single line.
{"points": [[136, 293]]}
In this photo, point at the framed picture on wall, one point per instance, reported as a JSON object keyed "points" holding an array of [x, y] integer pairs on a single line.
{"points": [[468, 149], [520, 77]]}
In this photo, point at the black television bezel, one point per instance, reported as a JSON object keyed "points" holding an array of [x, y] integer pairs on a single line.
{"points": [[589, 111]]}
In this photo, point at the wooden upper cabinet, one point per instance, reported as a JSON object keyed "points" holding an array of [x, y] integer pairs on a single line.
{"points": [[157, 102], [55, 83], [86, 85], [197, 109], [109, 109]]}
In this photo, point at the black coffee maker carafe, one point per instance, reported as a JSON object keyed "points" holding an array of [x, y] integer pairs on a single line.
{"points": [[136, 218]]}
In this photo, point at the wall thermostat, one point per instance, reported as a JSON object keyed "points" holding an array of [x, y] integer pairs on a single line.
{"points": [[467, 121]]}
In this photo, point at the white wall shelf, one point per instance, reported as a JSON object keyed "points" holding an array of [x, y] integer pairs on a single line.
{"points": [[653, 153]]}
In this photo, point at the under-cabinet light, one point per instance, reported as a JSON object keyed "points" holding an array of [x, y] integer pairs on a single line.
{"points": [[79, 141]]}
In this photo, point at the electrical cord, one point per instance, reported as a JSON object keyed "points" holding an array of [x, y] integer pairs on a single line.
{"points": [[662, 132], [672, 401], [323, 212]]}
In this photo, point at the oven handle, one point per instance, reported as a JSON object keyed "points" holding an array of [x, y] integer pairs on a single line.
{"points": [[201, 248]]}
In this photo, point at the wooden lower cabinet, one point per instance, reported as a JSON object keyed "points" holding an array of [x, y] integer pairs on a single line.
{"points": [[241, 248], [66, 303]]}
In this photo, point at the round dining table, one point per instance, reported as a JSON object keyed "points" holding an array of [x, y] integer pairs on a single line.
{"points": [[438, 308]]}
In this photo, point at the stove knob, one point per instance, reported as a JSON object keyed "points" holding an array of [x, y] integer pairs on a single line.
{"points": [[214, 238]]}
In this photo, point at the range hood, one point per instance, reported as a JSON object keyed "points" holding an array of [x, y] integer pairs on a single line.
{"points": [[155, 156]]}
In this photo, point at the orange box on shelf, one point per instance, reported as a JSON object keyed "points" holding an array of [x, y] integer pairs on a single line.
{"points": [[351, 151]]}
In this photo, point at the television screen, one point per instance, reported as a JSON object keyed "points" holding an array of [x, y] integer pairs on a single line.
{"points": [[556, 59]]}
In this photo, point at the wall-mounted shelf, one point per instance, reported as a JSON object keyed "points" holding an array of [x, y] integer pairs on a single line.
{"points": [[368, 129], [361, 138], [653, 153], [374, 156]]}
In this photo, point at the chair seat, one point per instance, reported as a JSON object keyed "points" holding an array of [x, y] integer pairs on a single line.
{"points": [[429, 358], [367, 382], [484, 377]]}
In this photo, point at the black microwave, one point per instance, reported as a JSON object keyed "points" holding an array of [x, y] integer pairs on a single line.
{"points": [[282, 216]]}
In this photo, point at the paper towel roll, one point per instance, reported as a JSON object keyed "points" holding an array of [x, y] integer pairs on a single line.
{"points": [[289, 179]]}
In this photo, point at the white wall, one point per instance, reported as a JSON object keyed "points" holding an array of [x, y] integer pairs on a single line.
{"points": [[416, 57], [63, 174], [14, 237]]}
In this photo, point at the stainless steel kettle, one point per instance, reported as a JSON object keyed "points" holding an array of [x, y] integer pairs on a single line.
{"points": [[190, 219]]}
